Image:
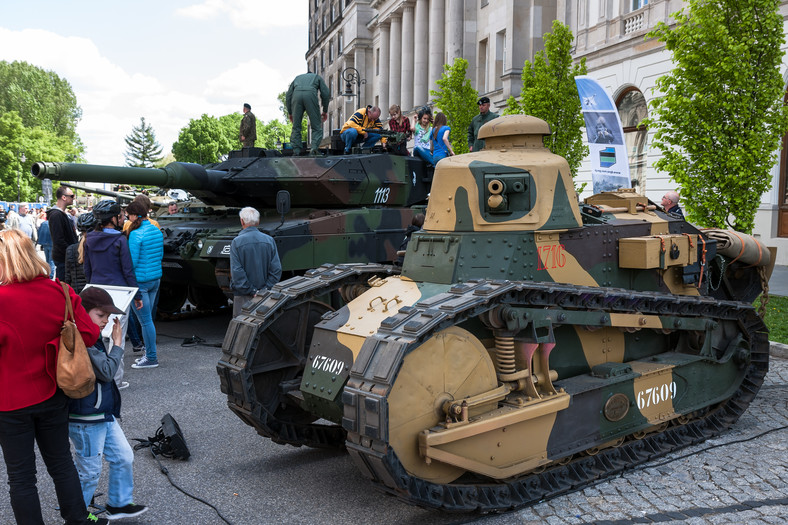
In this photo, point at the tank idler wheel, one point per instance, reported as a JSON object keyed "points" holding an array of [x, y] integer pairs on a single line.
{"points": [[279, 359], [450, 365]]}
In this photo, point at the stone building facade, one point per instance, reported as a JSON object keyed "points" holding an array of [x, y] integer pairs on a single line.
{"points": [[399, 47]]}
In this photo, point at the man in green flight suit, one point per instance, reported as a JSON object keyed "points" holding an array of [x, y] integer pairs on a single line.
{"points": [[248, 132], [302, 96], [484, 116]]}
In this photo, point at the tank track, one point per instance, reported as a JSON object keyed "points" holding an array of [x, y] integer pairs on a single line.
{"points": [[376, 367], [241, 346]]}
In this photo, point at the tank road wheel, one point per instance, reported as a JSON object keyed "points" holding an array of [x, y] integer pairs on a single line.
{"points": [[450, 365], [171, 297]]}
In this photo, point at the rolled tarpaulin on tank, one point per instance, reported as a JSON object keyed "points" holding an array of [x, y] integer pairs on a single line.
{"points": [[740, 247]]}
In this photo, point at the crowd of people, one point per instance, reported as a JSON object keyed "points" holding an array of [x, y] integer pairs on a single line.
{"points": [[107, 245]]}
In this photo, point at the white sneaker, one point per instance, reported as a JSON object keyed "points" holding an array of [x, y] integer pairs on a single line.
{"points": [[123, 384]]}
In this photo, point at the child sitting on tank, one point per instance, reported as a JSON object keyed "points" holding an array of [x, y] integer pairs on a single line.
{"points": [[93, 420]]}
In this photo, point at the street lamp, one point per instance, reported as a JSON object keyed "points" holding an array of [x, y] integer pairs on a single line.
{"points": [[19, 178], [351, 76]]}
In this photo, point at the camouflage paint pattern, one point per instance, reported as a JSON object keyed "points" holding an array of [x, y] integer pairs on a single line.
{"points": [[351, 208], [520, 335]]}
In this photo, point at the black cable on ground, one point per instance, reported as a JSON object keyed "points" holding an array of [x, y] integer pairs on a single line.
{"points": [[149, 443]]}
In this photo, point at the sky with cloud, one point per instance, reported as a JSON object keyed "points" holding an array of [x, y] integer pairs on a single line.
{"points": [[166, 60]]}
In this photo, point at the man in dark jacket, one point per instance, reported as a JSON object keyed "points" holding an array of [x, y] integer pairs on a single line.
{"points": [[248, 132], [61, 229], [484, 116]]}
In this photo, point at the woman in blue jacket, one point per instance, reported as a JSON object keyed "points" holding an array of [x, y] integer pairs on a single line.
{"points": [[146, 244]]}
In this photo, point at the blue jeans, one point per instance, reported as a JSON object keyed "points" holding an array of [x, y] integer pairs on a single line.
{"points": [[149, 291], [351, 137], [134, 331], [45, 423], [50, 262], [91, 441], [429, 157]]}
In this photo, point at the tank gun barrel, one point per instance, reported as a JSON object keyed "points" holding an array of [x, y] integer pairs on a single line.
{"points": [[174, 175], [99, 191]]}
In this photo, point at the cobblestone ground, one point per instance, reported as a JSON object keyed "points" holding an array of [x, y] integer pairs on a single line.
{"points": [[740, 477]]}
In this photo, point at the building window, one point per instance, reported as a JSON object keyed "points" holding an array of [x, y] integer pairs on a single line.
{"points": [[637, 4], [331, 86], [481, 76], [331, 52], [632, 109], [324, 22], [500, 58], [339, 44], [485, 2], [322, 60], [333, 12], [377, 62]]}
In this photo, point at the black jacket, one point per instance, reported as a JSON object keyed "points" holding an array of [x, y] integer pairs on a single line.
{"points": [[61, 228]]}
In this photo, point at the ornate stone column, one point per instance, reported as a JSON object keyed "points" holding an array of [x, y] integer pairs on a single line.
{"points": [[454, 28], [406, 89], [437, 34], [385, 60], [395, 72], [421, 52]]}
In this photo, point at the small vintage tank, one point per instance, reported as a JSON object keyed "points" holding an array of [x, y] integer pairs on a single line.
{"points": [[530, 345], [335, 208]]}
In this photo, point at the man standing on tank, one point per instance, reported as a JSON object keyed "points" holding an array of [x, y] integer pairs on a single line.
{"points": [[248, 132], [61, 229], [254, 260], [302, 96], [484, 116]]}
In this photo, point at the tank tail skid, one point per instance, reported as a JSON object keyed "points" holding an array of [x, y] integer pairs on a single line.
{"points": [[368, 395]]}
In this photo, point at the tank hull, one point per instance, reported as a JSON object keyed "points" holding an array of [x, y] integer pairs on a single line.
{"points": [[530, 345]]}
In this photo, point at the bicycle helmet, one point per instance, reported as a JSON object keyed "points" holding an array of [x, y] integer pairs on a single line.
{"points": [[105, 209], [86, 222]]}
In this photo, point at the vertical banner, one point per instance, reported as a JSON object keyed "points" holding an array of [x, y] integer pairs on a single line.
{"points": [[609, 161]]}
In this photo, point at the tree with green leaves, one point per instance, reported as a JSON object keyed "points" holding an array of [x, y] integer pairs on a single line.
{"points": [[41, 98], [36, 144], [142, 148], [204, 140], [720, 116], [549, 93], [457, 99]]}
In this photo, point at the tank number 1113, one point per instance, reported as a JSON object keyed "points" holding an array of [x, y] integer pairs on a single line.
{"points": [[382, 195]]}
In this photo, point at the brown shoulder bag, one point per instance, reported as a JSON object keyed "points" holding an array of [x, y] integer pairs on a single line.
{"points": [[75, 374]]}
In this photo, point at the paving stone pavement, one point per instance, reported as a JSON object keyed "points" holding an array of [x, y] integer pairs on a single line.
{"points": [[740, 477]]}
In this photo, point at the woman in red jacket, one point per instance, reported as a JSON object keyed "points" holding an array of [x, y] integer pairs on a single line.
{"points": [[32, 408]]}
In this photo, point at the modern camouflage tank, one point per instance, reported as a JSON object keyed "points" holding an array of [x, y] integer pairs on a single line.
{"points": [[341, 208], [530, 345]]}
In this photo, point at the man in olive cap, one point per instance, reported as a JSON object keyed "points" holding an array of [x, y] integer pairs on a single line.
{"points": [[484, 116], [248, 132], [302, 96]]}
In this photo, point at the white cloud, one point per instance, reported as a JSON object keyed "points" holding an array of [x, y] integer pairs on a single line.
{"points": [[113, 99], [258, 15]]}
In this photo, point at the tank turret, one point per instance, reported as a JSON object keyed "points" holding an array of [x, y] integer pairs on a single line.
{"points": [[343, 208], [315, 182], [531, 345]]}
